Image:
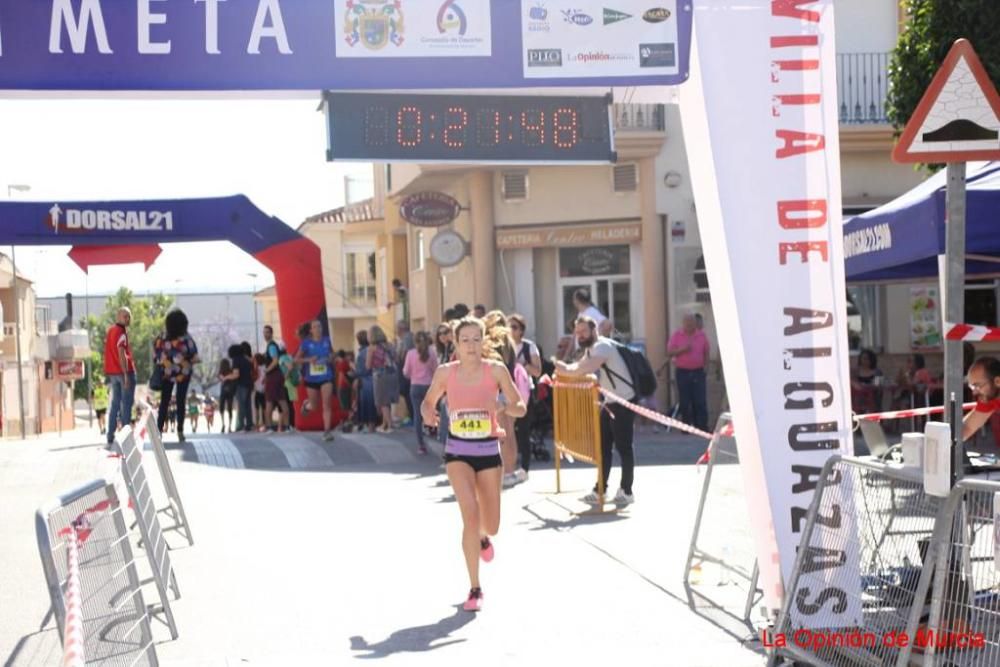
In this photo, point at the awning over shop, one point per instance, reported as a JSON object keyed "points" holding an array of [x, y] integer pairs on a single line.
{"points": [[901, 240]]}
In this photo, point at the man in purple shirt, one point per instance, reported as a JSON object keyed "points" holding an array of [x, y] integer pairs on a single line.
{"points": [[688, 350]]}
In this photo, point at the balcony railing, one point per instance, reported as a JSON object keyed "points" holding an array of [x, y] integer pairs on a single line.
{"points": [[640, 117], [862, 85]]}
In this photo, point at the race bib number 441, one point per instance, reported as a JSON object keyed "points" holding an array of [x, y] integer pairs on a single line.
{"points": [[471, 424]]}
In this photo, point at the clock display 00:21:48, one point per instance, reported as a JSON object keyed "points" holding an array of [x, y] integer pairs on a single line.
{"points": [[455, 126]]}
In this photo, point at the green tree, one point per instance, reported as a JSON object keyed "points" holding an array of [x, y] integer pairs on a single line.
{"points": [[931, 29], [147, 324]]}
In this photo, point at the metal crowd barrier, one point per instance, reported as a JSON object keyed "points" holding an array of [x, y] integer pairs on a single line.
{"points": [[722, 503], [964, 621], [895, 529], [577, 426], [149, 523], [115, 618], [175, 508]]}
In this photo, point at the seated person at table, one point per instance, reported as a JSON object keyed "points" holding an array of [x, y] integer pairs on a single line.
{"points": [[984, 381], [866, 394], [912, 383]]}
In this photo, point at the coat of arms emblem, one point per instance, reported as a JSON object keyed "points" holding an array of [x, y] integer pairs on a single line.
{"points": [[374, 23]]}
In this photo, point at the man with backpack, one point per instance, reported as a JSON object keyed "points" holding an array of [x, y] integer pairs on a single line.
{"points": [[624, 373]]}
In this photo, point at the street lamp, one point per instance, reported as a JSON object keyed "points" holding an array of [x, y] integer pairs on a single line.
{"points": [[253, 300], [17, 314]]}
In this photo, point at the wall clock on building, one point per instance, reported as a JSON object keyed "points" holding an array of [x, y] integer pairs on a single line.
{"points": [[448, 248]]}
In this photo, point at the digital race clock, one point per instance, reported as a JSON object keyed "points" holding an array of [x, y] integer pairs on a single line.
{"points": [[468, 128]]}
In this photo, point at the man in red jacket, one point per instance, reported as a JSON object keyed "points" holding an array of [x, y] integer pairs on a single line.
{"points": [[119, 369]]}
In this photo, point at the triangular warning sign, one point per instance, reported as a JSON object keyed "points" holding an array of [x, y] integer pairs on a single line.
{"points": [[958, 118]]}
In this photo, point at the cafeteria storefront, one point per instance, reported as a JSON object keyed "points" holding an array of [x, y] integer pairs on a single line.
{"points": [[542, 266]]}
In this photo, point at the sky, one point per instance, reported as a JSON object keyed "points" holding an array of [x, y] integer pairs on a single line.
{"points": [[273, 151]]}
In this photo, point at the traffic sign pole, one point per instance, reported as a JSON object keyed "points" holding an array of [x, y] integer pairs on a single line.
{"points": [[957, 120], [954, 303]]}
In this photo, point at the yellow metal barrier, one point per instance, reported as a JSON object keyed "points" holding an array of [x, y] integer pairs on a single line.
{"points": [[577, 425]]}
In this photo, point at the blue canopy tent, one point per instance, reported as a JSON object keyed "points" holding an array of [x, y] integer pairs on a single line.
{"points": [[900, 241]]}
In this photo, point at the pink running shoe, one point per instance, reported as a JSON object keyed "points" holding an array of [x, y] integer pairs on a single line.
{"points": [[486, 550], [475, 601]]}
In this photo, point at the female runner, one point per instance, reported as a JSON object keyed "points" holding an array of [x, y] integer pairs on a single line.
{"points": [[473, 384]]}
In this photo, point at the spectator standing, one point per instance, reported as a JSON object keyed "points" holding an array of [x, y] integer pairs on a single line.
{"points": [[418, 369], [404, 343], [119, 369], [529, 358], [445, 346], [345, 381], [366, 412], [479, 311], [385, 373], [275, 395], [257, 366], [688, 350], [176, 354], [585, 307], [243, 376], [227, 394], [498, 337], [617, 420], [402, 299]]}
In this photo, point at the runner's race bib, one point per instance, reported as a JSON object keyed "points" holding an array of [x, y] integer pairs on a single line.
{"points": [[471, 424], [317, 369]]}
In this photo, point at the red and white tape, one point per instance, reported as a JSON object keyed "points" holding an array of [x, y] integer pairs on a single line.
{"points": [[73, 635], [652, 415], [975, 332], [903, 414], [655, 416]]}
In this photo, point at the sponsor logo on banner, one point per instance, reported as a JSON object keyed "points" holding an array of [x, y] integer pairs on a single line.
{"points": [[577, 17], [451, 17], [596, 56], [781, 311], [545, 58], [657, 55], [614, 16], [656, 15], [538, 18], [409, 29], [97, 220], [373, 23]]}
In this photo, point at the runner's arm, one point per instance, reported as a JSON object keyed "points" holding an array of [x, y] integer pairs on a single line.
{"points": [[515, 404], [428, 409]]}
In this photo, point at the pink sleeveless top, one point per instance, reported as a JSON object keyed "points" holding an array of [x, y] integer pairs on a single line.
{"points": [[472, 407]]}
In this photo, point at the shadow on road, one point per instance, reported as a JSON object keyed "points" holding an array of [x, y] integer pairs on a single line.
{"points": [[417, 639]]}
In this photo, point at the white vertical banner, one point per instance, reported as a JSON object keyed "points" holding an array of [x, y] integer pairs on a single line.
{"points": [[763, 96]]}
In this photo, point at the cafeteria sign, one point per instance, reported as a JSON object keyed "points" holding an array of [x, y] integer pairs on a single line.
{"points": [[429, 209]]}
